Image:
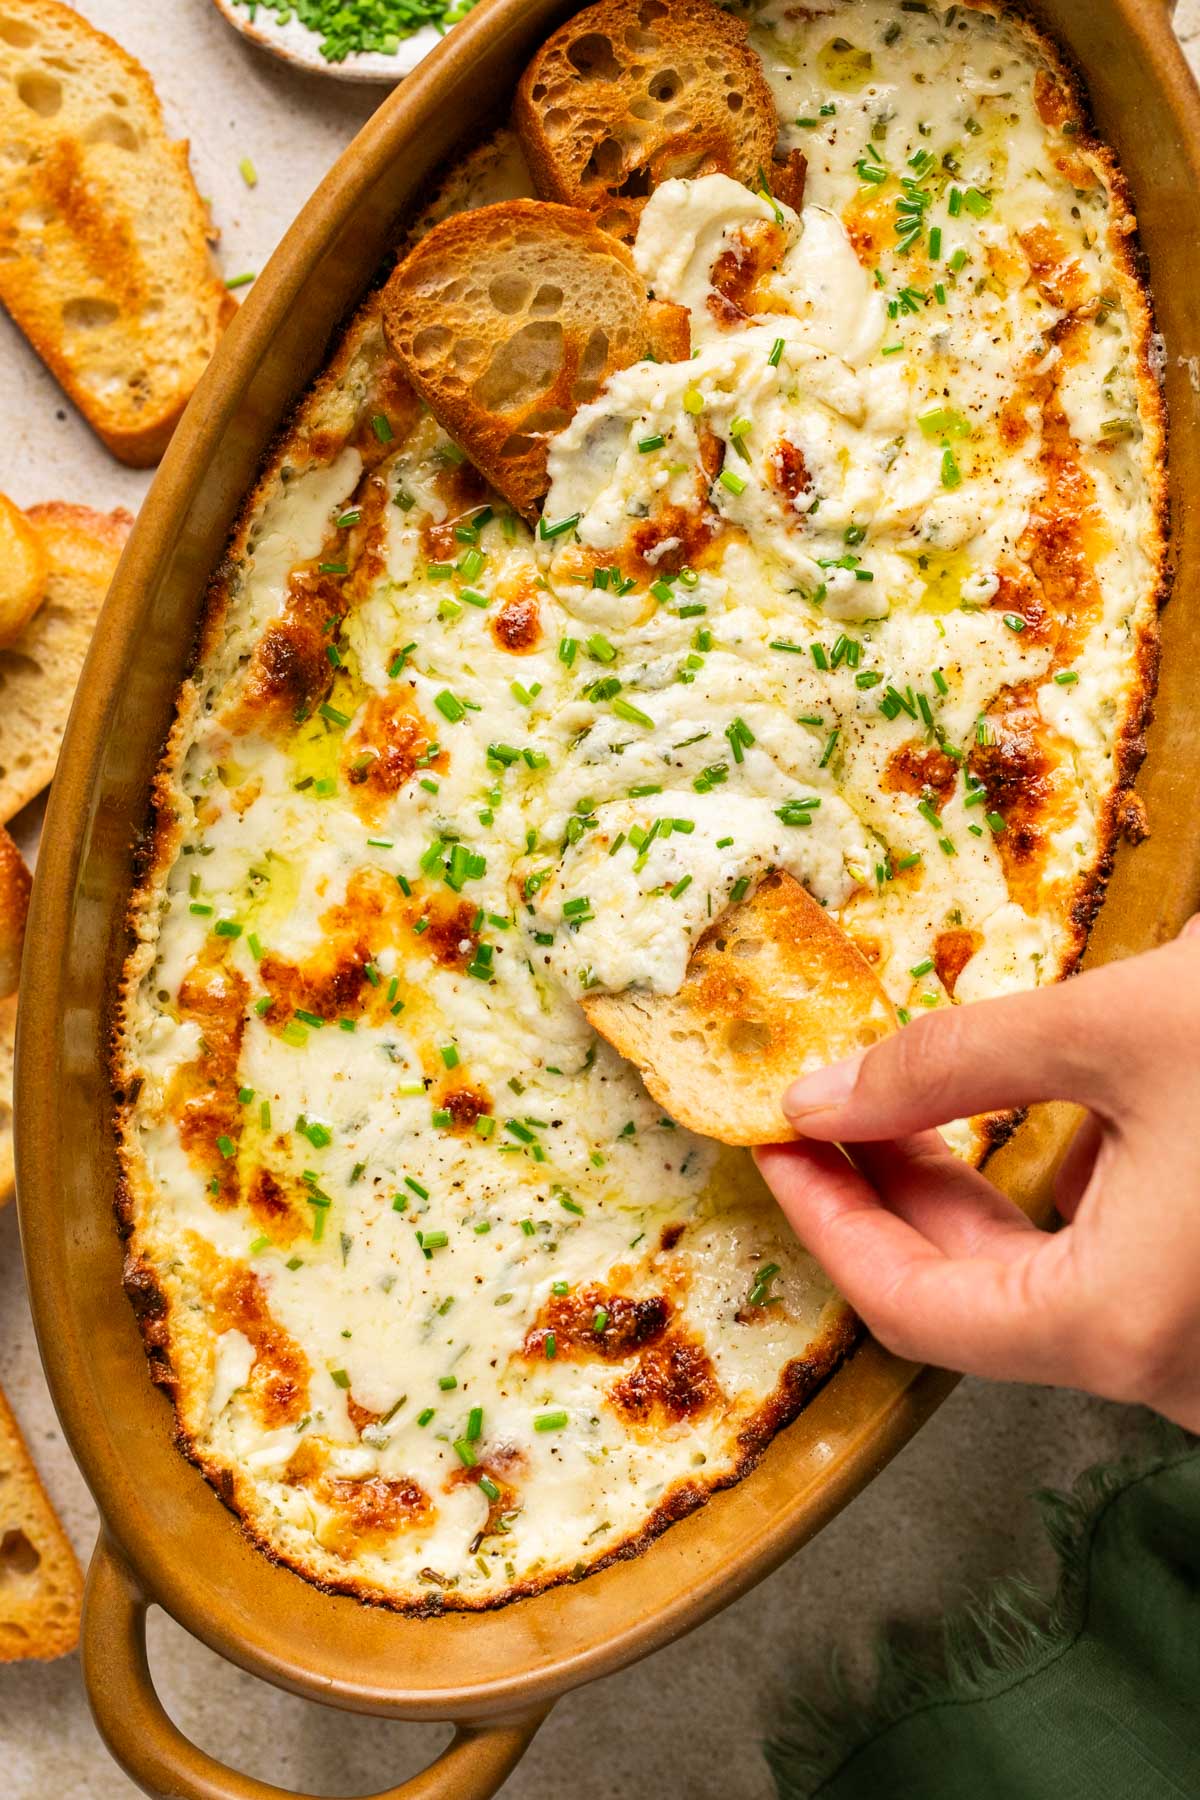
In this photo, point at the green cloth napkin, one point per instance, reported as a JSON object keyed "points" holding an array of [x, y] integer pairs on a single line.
{"points": [[1094, 1697]]}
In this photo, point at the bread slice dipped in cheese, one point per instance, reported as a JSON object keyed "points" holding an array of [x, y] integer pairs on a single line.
{"points": [[630, 93], [774, 989], [508, 319]]}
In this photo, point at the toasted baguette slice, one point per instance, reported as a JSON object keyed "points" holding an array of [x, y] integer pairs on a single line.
{"points": [[508, 319], [104, 255], [39, 672], [41, 1587], [773, 990], [15, 885], [629, 93], [8, 1050], [22, 571]]}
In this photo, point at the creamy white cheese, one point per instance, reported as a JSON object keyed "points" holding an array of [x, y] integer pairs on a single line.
{"points": [[777, 622]]}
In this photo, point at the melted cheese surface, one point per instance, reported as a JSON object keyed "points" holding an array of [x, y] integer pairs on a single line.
{"points": [[860, 591]]}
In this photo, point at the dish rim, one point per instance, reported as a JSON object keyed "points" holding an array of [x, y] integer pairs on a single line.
{"points": [[903, 1396]]}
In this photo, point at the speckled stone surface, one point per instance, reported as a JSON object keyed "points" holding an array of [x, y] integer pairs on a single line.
{"points": [[950, 1513]]}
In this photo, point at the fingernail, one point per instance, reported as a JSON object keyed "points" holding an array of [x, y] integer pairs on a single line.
{"points": [[824, 1090]]}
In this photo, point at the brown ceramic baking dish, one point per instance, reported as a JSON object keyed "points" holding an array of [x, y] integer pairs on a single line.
{"points": [[166, 1538]]}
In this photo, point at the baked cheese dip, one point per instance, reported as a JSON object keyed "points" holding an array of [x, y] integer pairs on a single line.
{"points": [[864, 590]]}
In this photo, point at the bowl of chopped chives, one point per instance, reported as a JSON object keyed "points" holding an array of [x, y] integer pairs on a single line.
{"points": [[352, 40]]}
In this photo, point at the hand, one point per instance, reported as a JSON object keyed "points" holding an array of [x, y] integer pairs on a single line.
{"points": [[941, 1266]]}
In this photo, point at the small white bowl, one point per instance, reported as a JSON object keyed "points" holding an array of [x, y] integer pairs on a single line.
{"points": [[294, 43]]}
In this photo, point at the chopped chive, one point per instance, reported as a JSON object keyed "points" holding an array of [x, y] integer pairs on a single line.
{"points": [[450, 707]]}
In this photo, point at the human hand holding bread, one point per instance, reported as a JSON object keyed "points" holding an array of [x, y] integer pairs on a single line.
{"points": [[945, 1269]]}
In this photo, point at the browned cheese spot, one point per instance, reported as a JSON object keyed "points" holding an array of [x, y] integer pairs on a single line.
{"points": [[673, 1380], [278, 1205], [517, 626], [202, 1098], [921, 770], [1022, 594], [1067, 534], [952, 951], [280, 1372], [369, 1510], [332, 983], [674, 537], [465, 1105], [630, 1325], [788, 471], [734, 278], [451, 938], [1019, 768], [390, 743], [1059, 277], [290, 672]]}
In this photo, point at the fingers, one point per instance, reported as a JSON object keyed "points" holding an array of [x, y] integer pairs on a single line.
{"points": [[1085, 1040], [994, 1313], [1078, 1167], [954, 1208]]}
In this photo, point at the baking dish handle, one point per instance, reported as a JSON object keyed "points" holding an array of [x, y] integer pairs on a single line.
{"points": [[153, 1751]]}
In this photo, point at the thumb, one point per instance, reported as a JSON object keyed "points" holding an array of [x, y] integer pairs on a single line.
{"points": [[1081, 1041]]}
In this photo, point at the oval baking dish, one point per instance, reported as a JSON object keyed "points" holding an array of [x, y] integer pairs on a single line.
{"points": [[166, 1538]]}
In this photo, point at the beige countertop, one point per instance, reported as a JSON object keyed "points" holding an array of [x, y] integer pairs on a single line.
{"points": [[950, 1513]]}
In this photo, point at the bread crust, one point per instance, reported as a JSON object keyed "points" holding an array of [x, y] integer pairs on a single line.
{"points": [[15, 885], [598, 108], [41, 1590]]}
